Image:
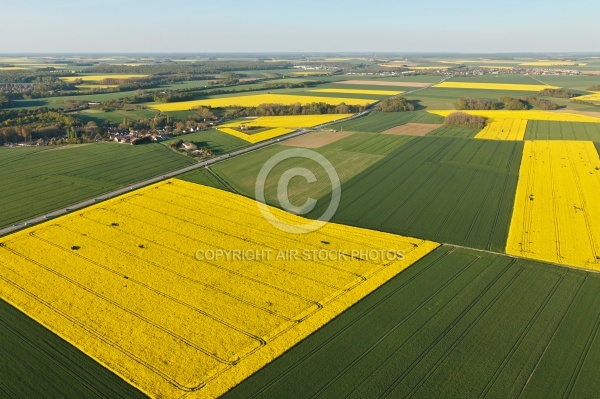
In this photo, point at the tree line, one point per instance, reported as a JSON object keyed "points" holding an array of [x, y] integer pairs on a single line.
{"points": [[507, 103], [299, 109]]}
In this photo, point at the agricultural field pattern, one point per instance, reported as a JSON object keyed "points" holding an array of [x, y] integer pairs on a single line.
{"points": [[291, 225]]}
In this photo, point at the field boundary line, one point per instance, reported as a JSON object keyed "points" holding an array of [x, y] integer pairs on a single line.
{"points": [[364, 314], [222, 181], [474, 301]]}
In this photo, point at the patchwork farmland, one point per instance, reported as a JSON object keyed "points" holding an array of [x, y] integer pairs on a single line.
{"points": [[447, 327], [245, 313], [461, 262], [40, 180], [445, 190]]}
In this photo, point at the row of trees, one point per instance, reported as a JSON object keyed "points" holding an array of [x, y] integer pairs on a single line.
{"points": [[541, 103], [508, 103], [558, 93], [514, 104], [466, 103], [298, 109]]}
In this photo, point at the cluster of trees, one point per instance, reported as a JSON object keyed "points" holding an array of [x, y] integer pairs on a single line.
{"points": [[541, 103], [398, 104], [465, 103], [514, 104], [508, 103], [594, 88], [170, 96], [4, 101], [228, 79], [190, 68], [33, 85], [31, 125], [200, 119], [288, 85], [462, 119], [558, 93], [299, 109]]}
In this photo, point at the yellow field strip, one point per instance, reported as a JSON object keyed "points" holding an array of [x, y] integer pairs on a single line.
{"points": [[593, 98], [99, 78], [290, 121], [556, 216], [256, 100], [358, 91], [492, 86], [257, 137], [503, 129], [96, 86], [138, 284], [551, 63], [524, 115]]}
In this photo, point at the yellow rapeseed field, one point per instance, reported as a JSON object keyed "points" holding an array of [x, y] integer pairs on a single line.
{"points": [[593, 98], [257, 137], [96, 86], [511, 125], [556, 216], [358, 91], [525, 115], [256, 100], [495, 67], [492, 86], [551, 63], [99, 78], [281, 125], [187, 290], [308, 73], [503, 129], [289, 121], [424, 67]]}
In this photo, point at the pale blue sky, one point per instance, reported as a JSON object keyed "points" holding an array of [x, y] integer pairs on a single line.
{"points": [[299, 26]]}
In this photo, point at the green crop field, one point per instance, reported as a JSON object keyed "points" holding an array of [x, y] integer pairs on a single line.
{"points": [[349, 157], [307, 92], [377, 122], [365, 86], [444, 98], [366, 143], [218, 142], [457, 324], [453, 131], [409, 78], [47, 178], [447, 190], [549, 130], [117, 116], [443, 189], [36, 363], [571, 82], [499, 78], [204, 177]]}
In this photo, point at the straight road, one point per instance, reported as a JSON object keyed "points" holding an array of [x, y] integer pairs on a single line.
{"points": [[203, 164]]}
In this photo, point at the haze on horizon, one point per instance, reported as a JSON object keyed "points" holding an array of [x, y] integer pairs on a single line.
{"points": [[135, 26]]}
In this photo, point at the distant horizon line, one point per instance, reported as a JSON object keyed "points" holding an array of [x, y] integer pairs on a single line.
{"points": [[554, 53]]}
